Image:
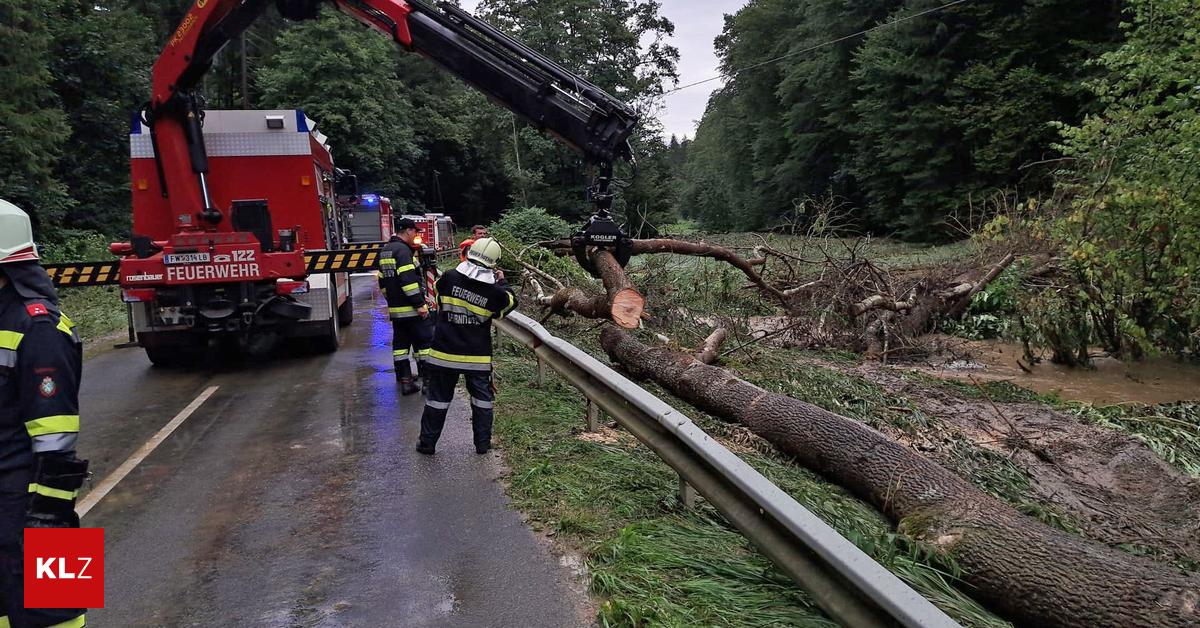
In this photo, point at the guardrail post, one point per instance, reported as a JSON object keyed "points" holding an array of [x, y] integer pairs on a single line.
{"points": [[593, 416], [541, 372], [687, 494]]}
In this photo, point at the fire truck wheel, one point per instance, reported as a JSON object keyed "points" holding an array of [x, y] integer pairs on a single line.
{"points": [[345, 313], [331, 339]]}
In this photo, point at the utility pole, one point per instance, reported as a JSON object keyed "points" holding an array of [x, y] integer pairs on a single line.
{"points": [[245, 82], [437, 184]]}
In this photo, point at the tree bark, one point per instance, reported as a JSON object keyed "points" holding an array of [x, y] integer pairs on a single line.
{"points": [[1026, 570], [961, 306], [622, 303], [712, 346], [625, 302]]}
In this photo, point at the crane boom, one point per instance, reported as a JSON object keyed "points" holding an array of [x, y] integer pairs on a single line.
{"points": [[539, 90]]}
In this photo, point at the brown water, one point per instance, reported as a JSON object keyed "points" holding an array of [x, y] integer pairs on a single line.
{"points": [[1157, 380]]}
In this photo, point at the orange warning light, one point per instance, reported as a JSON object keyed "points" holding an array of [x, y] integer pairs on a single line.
{"points": [[143, 185], [306, 180]]}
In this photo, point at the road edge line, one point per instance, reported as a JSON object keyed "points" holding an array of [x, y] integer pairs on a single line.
{"points": [[106, 485]]}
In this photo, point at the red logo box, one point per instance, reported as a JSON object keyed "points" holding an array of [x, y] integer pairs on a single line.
{"points": [[64, 567]]}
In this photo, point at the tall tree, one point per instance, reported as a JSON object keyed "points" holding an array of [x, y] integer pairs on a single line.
{"points": [[952, 104], [102, 51], [620, 45], [345, 78], [33, 127]]}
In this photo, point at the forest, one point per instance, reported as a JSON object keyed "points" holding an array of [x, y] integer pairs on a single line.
{"points": [[1063, 126]]}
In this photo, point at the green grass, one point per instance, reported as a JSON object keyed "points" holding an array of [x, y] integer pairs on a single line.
{"points": [[653, 562], [98, 310]]}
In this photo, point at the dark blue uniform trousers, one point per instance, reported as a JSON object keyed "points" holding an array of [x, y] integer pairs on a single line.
{"points": [[440, 393]]}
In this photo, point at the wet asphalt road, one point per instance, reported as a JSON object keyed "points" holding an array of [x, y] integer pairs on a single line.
{"points": [[293, 497]]}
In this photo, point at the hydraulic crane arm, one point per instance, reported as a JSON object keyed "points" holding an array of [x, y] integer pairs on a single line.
{"points": [[550, 97]]}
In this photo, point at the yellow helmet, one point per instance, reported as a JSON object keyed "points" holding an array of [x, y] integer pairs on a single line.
{"points": [[16, 235], [485, 252]]}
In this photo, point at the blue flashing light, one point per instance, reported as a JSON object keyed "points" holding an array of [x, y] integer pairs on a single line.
{"points": [[370, 199]]}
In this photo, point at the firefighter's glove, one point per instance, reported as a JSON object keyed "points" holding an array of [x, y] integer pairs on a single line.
{"points": [[57, 478]]}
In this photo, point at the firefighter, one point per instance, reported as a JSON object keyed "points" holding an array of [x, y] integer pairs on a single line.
{"points": [[477, 232], [40, 363], [468, 298], [403, 285]]}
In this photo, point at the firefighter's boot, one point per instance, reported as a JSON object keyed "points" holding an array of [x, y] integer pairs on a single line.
{"points": [[405, 377]]}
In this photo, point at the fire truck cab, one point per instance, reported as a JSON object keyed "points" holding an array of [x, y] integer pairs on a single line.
{"points": [[248, 280]]}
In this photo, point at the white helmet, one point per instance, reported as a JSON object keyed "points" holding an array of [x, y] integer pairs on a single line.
{"points": [[485, 252], [16, 235]]}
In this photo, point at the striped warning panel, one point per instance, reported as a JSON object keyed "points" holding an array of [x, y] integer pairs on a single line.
{"points": [[363, 246], [80, 274], [348, 261]]}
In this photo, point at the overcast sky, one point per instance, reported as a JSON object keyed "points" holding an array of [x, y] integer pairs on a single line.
{"points": [[697, 23]]}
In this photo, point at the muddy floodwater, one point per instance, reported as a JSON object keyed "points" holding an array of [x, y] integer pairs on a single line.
{"points": [[1157, 380]]}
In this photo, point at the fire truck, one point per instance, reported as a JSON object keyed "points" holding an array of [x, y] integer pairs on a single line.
{"points": [[435, 232], [247, 284], [369, 215], [237, 236]]}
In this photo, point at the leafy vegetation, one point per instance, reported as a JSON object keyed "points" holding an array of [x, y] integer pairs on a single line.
{"points": [[1131, 231], [530, 225], [96, 311], [911, 124]]}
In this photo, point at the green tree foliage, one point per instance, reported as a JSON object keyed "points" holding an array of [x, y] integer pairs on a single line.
{"points": [[1133, 233], [33, 127], [908, 123], [345, 78], [951, 105], [529, 225], [619, 45], [74, 72], [100, 55]]}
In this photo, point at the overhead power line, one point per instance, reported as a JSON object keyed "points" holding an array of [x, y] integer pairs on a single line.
{"points": [[818, 46]]}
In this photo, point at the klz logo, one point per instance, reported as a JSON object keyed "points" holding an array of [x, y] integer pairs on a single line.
{"points": [[64, 567], [46, 568]]}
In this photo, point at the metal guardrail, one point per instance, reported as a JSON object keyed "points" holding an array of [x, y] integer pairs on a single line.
{"points": [[848, 585]]}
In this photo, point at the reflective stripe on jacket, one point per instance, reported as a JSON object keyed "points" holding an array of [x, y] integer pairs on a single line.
{"points": [[41, 359], [466, 309]]}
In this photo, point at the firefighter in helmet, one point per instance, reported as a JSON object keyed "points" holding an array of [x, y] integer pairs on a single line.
{"points": [[469, 297], [41, 361], [403, 285]]}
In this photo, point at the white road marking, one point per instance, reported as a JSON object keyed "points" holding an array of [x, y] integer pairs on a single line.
{"points": [[107, 484]]}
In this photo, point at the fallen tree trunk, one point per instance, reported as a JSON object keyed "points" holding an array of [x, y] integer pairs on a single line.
{"points": [[622, 303], [712, 346], [1024, 569]]}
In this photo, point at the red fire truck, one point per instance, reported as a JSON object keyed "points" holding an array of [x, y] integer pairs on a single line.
{"points": [[235, 220], [189, 288], [434, 231], [370, 217]]}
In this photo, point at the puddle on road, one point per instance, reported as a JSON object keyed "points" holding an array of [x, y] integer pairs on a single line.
{"points": [[1157, 380]]}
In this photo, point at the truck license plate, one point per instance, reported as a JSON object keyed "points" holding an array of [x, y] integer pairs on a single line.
{"points": [[186, 258]]}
